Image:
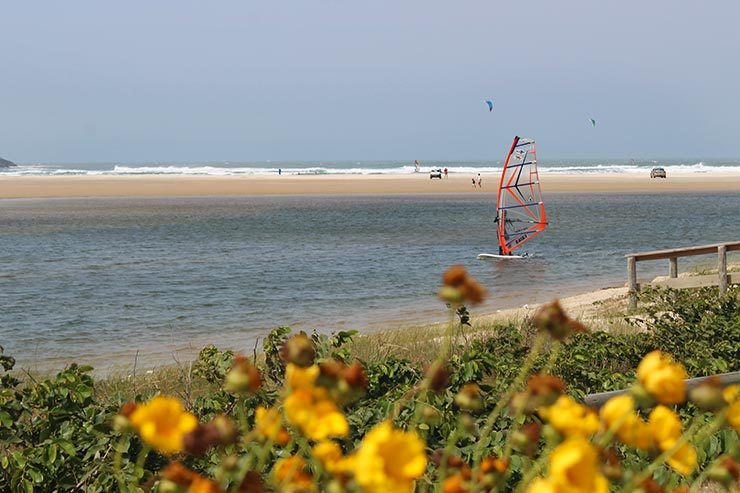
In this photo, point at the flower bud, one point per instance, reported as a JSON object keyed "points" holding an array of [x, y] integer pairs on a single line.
{"points": [[473, 291], [450, 295], [526, 439], [649, 485], [545, 389], [298, 350], [494, 464], [455, 276], [168, 486], [430, 415], [469, 398], [330, 371], [202, 438], [243, 377], [120, 420], [467, 423], [355, 376], [611, 466], [707, 397], [230, 462], [551, 318], [453, 461], [121, 424], [226, 429], [179, 474], [438, 375], [252, 483], [725, 471]]}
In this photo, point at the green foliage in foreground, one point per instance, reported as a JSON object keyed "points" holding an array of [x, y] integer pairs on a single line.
{"points": [[57, 434]]}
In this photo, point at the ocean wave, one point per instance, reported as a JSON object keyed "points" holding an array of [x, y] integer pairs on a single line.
{"points": [[454, 168]]}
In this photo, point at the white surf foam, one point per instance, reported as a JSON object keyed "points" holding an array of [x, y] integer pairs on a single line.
{"points": [[454, 168]]}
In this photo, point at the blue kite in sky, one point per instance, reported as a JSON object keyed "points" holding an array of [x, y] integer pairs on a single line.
{"points": [[490, 105], [593, 122]]}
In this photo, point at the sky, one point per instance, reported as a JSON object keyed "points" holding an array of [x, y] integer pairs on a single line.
{"points": [[309, 80]]}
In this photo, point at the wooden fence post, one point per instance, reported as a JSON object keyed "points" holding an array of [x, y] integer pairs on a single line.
{"points": [[673, 269], [632, 282], [722, 268]]}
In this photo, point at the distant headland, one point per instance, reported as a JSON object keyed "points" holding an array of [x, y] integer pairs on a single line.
{"points": [[4, 163]]}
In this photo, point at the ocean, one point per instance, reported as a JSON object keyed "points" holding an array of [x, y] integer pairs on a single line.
{"points": [[222, 168], [98, 280]]}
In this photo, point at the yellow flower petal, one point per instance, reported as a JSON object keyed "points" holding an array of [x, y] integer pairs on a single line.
{"points": [[662, 378], [162, 423]]}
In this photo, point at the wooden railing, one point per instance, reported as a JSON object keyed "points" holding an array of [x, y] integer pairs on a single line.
{"points": [[721, 279], [723, 380]]}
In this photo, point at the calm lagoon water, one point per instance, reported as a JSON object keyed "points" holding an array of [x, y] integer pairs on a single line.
{"points": [[100, 279]]}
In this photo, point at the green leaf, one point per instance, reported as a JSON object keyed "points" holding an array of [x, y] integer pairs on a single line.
{"points": [[35, 475], [52, 453], [67, 447], [19, 459], [5, 419]]}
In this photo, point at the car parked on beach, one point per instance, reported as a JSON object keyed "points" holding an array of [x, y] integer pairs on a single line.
{"points": [[435, 173], [657, 173]]}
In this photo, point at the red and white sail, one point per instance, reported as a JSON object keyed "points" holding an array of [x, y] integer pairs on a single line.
{"points": [[520, 211]]}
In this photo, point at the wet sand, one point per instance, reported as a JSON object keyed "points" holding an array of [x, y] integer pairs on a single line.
{"points": [[181, 186]]}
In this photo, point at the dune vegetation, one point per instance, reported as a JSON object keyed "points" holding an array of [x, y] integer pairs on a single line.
{"points": [[468, 407]]}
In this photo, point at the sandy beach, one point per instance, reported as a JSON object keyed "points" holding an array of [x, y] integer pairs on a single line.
{"points": [[180, 186]]}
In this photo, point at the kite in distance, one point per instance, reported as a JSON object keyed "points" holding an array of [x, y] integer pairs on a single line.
{"points": [[593, 122], [490, 105]]}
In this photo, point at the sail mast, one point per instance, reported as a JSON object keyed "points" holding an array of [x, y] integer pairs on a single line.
{"points": [[500, 213]]}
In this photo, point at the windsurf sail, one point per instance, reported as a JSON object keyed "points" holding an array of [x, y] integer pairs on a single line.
{"points": [[520, 212]]}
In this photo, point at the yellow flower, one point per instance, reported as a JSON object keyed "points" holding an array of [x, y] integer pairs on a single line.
{"points": [[162, 423], [389, 460], [619, 414], [574, 468], [665, 427], [315, 414], [328, 452], [731, 393], [541, 485], [570, 418], [203, 485], [292, 475], [732, 396], [300, 378], [683, 460], [662, 378], [267, 425]]}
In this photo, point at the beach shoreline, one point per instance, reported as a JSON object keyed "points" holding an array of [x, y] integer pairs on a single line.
{"points": [[17, 187], [582, 304]]}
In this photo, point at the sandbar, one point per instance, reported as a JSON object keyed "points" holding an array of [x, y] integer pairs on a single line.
{"points": [[187, 186]]}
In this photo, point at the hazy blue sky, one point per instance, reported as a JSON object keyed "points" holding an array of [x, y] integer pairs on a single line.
{"points": [[380, 79]]}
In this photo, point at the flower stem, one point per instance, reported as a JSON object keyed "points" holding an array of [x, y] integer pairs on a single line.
{"points": [[504, 399]]}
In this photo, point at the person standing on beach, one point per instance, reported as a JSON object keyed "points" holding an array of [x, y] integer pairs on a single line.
{"points": [[474, 182], [416, 164], [480, 181], [280, 171], [445, 172]]}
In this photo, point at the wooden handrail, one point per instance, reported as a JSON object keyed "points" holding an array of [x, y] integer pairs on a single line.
{"points": [[723, 379], [683, 252], [672, 255]]}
